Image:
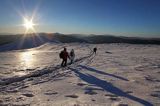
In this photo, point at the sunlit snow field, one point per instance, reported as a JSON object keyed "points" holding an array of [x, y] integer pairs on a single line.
{"points": [[130, 69]]}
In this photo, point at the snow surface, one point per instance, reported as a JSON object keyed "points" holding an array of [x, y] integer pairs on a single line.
{"points": [[118, 75]]}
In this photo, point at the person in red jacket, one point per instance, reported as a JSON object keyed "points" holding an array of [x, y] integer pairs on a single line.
{"points": [[64, 56]]}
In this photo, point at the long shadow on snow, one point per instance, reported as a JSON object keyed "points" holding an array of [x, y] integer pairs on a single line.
{"points": [[108, 87], [101, 72]]}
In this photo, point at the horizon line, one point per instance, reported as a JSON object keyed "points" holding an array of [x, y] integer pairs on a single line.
{"points": [[1, 34]]}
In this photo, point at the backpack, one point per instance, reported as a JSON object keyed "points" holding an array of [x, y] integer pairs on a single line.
{"points": [[61, 54]]}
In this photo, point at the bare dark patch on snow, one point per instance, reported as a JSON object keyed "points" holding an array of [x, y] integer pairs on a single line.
{"points": [[72, 96], [28, 95]]}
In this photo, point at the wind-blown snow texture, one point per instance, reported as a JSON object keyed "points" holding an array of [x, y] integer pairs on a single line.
{"points": [[118, 75]]}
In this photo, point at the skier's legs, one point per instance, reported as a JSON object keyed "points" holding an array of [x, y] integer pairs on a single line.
{"points": [[62, 64], [65, 62]]}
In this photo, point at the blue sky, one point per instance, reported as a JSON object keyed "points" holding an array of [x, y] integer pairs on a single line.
{"points": [[117, 17]]}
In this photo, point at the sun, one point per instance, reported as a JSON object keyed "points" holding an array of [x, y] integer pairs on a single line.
{"points": [[28, 24]]}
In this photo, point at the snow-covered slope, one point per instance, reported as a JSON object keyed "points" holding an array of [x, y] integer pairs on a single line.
{"points": [[28, 41], [118, 75]]}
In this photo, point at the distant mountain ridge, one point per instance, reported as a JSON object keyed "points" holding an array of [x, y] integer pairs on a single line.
{"points": [[98, 39], [19, 41]]}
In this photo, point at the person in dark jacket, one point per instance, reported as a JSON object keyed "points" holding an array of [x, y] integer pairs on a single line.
{"points": [[64, 55], [95, 50]]}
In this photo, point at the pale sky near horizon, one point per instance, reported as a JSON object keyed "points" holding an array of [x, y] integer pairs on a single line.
{"points": [[117, 17]]}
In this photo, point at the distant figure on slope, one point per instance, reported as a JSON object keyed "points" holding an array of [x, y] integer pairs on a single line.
{"points": [[64, 56], [94, 50], [72, 56]]}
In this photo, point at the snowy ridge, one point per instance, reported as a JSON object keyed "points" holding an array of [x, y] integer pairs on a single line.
{"points": [[26, 42]]}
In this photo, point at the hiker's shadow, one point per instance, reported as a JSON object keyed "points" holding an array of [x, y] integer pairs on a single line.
{"points": [[101, 72], [108, 87]]}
